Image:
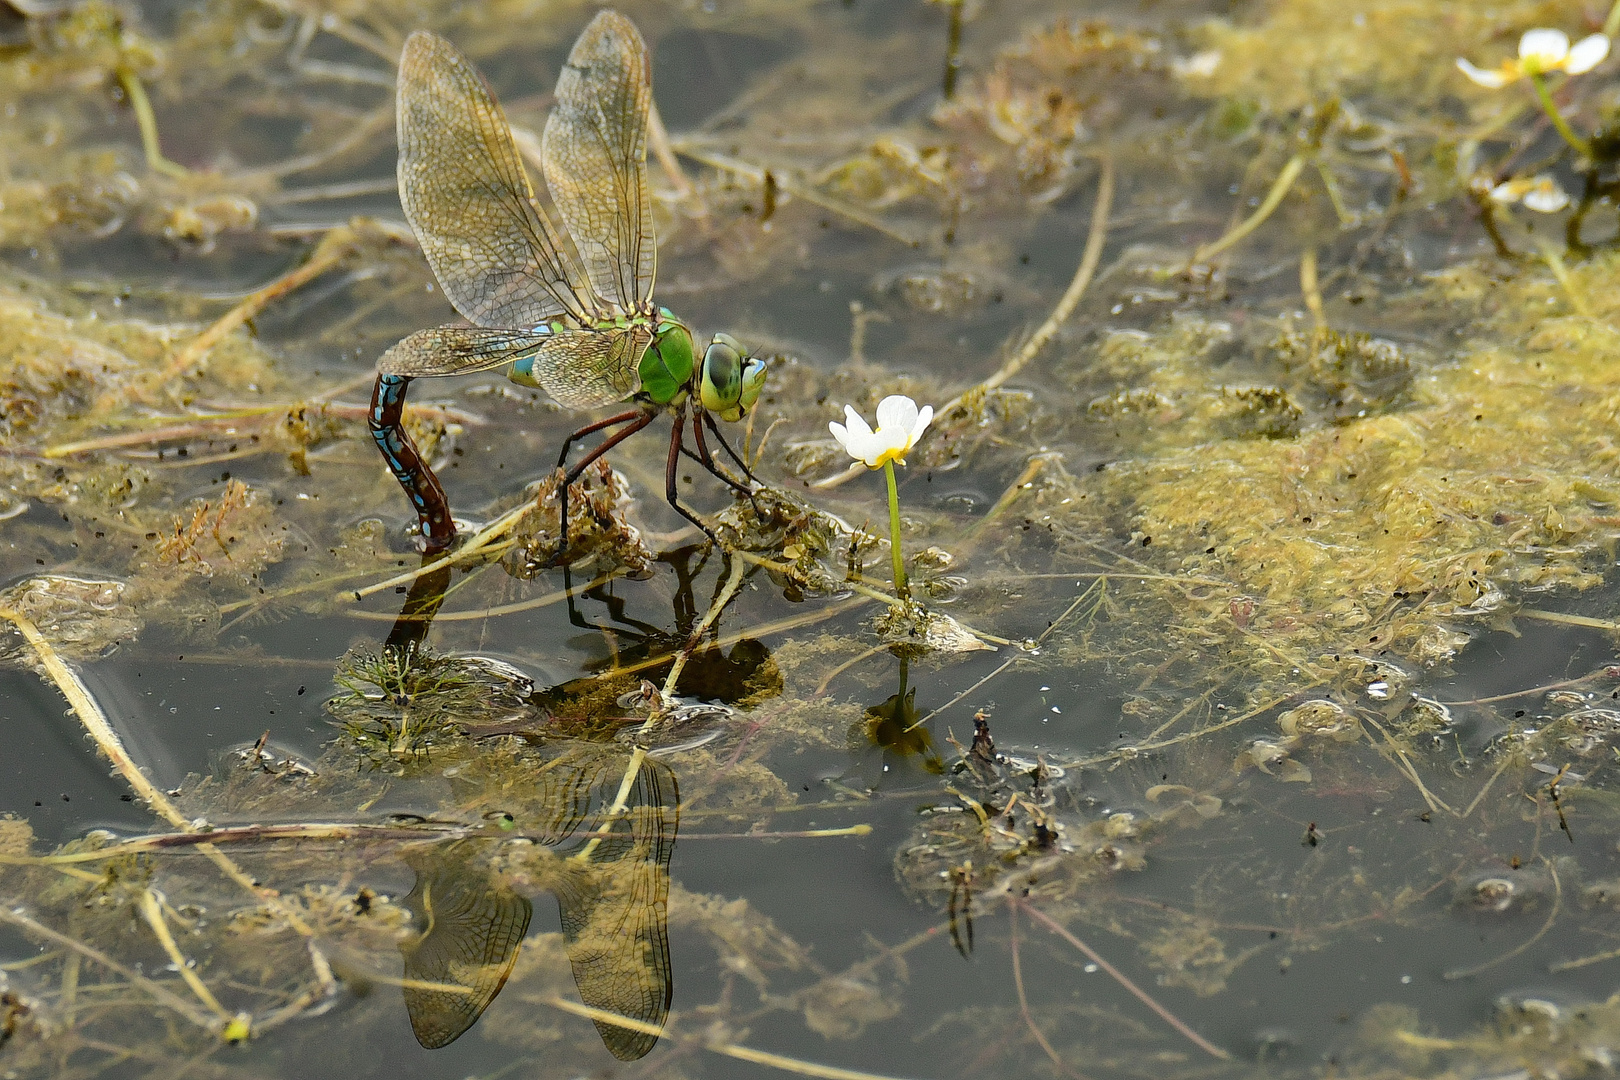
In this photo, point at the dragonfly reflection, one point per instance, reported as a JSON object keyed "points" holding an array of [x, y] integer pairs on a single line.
{"points": [[604, 858], [595, 829]]}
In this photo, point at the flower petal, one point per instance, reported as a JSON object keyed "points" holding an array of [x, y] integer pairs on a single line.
{"points": [[857, 424], [1587, 54], [839, 432], [896, 412], [1494, 79], [924, 418], [1545, 48], [1546, 197], [1509, 191]]}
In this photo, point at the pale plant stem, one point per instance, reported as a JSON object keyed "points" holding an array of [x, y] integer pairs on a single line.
{"points": [[901, 589], [154, 918], [1550, 107]]}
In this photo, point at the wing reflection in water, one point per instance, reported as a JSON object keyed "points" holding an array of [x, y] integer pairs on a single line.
{"points": [[599, 839], [470, 926]]}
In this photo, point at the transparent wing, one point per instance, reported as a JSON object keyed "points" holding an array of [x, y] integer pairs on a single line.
{"points": [[594, 156], [455, 350], [470, 928], [585, 369], [498, 257], [615, 911]]}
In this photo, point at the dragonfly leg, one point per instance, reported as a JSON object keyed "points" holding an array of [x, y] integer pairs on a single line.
{"points": [[708, 418], [706, 459], [413, 474], [638, 419], [676, 439]]}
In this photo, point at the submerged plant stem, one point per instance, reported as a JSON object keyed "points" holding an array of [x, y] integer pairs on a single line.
{"points": [[1279, 190], [94, 720], [154, 918], [148, 125], [1096, 958], [14, 916], [727, 1049], [1100, 210]]}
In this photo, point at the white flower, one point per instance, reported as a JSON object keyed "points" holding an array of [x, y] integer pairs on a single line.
{"points": [[1541, 51], [1539, 193], [900, 426]]}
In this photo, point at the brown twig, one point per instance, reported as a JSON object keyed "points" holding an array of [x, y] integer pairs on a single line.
{"points": [[1096, 958]]}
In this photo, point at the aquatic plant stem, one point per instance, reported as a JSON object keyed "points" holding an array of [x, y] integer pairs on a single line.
{"points": [[1279, 190], [728, 1049], [94, 720], [1550, 107], [1097, 958], [1089, 258], [154, 918], [148, 125], [14, 916], [334, 247], [901, 589], [1023, 999], [616, 811]]}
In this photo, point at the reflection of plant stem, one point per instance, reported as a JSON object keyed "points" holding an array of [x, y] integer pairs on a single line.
{"points": [[900, 588], [1548, 106]]}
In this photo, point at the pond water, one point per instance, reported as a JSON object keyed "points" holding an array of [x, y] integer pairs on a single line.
{"points": [[1256, 705]]}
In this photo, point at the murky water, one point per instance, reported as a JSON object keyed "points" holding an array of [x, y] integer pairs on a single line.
{"points": [[1274, 728]]}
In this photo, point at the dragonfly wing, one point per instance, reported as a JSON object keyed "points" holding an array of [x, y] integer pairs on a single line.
{"points": [[615, 913], [471, 926], [456, 350], [498, 257], [585, 369], [594, 155]]}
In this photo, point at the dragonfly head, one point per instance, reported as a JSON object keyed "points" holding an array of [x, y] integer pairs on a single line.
{"points": [[730, 380]]}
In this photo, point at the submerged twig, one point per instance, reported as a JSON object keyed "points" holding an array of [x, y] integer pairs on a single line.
{"points": [[1097, 958], [334, 247], [153, 915], [91, 716], [1023, 999]]}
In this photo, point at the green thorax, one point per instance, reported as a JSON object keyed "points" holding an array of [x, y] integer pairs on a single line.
{"points": [[667, 365]]}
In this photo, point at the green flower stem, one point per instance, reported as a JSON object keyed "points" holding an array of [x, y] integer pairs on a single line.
{"points": [[900, 588], [1580, 145]]}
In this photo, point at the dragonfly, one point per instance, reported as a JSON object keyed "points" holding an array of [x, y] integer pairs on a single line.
{"points": [[565, 307]]}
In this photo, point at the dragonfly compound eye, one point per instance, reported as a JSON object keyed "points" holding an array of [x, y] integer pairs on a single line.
{"points": [[753, 381], [722, 384]]}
